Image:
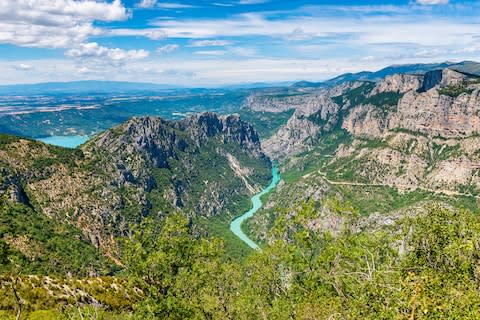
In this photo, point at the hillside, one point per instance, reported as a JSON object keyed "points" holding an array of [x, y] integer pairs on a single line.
{"points": [[386, 145], [205, 166], [134, 223]]}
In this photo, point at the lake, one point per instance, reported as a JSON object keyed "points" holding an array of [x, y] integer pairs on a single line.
{"points": [[65, 141]]}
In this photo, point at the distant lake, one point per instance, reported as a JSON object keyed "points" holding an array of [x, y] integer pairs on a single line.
{"points": [[65, 141]]}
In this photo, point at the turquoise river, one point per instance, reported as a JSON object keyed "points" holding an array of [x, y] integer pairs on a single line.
{"points": [[236, 225]]}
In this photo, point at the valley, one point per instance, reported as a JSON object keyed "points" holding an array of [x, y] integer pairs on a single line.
{"points": [[345, 186]]}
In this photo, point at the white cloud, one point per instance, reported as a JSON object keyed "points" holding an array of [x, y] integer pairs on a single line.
{"points": [[173, 5], [221, 4], [54, 24], [253, 1], [356, 29], [151, 33], [432, 2], [23, 66], [298, 34], [211, 52], [242, 51], [93, 50], [84, 70], [211, 43], [147, 4], [168, 48]]}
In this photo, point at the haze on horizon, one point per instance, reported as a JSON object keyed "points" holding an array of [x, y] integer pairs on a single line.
{"points": [[199, 43]]}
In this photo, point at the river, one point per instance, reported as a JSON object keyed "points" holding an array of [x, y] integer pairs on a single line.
{"points": [[236, 225]]}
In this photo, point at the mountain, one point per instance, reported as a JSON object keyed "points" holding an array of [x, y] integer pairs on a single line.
{"points": [[404, 140], [83, 87], [370, 219], [419, 68], [205, 166]]}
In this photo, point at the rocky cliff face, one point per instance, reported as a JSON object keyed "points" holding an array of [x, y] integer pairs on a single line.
{"points": [[443, 77], [407, 131], [399, 83], [295, 137], [320, 114], [442, 102], [450, 108], [204, 165]]}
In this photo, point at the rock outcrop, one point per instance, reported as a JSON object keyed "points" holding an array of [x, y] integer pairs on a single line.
{"points": [[400, 83], [203, 165]]}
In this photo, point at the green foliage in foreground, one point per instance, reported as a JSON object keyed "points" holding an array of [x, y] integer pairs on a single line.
{"points": [[423, 267]]}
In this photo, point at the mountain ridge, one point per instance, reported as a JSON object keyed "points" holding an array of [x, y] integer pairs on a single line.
{"points": [[145, 167]]}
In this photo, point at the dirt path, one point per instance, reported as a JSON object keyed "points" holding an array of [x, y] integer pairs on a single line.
{"points": [[360, 184]]}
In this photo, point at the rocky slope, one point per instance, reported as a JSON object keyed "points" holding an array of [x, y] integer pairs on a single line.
{"points": [[205, 165], [413, 120], [382, 145]]}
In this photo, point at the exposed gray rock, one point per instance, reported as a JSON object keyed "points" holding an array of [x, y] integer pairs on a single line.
{"points": [[399, 83]]}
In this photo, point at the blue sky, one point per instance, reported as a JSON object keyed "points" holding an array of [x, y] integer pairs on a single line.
{"points": [[209, 43]]}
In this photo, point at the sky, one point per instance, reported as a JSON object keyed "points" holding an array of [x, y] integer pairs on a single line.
{"points": [[221, 42]]}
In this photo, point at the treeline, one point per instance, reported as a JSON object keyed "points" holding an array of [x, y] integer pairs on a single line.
{"points": [[425, 266]]}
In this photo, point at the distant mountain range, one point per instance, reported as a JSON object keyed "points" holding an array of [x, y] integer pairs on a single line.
{"points": [[87, 86], [116, 87], [469, 67]]}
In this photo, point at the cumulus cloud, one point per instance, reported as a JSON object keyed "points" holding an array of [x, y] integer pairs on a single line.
{"points": [[94, 50], [167, 48], [54, 24], [432, 2], [211, 43]]}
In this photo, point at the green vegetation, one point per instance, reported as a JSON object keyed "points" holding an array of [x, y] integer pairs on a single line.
{"points": [[383, 199], [315, 159], [384, 99], [355, 96], [455, 90], [7, 139], [113, 112], [43, 246], [266, 123], [303, 274]]}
